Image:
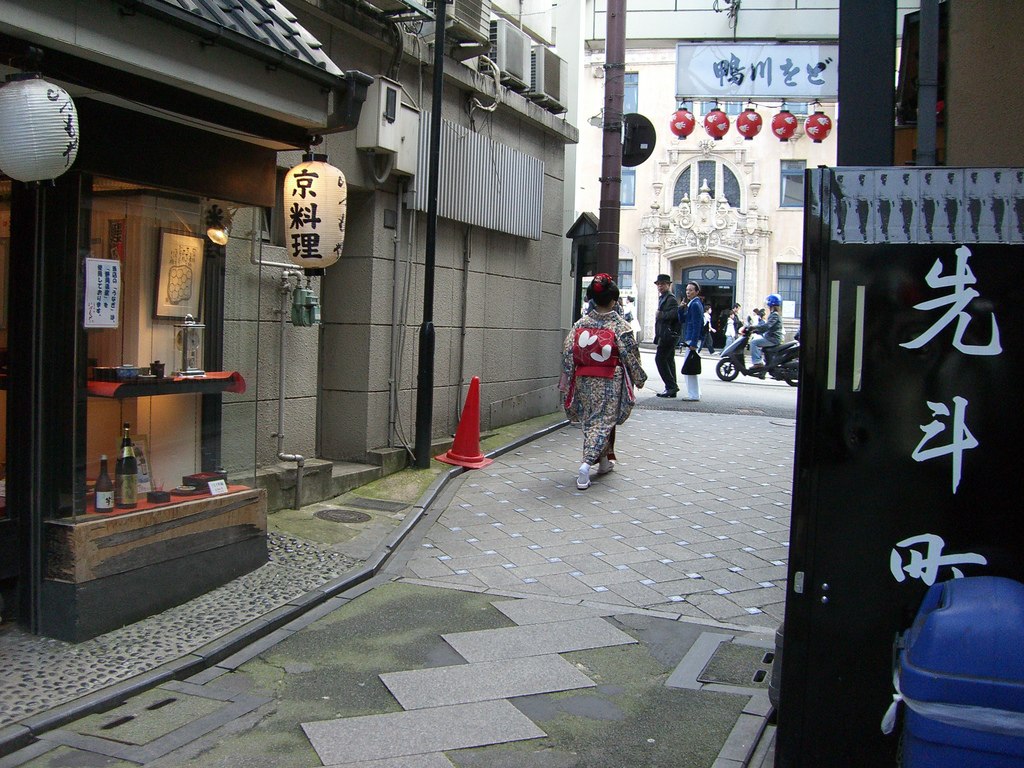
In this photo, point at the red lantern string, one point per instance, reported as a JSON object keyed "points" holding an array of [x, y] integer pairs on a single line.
{"points": [[682, 123], [784, 125], [716, 123], [749, 123], [818, 126]]}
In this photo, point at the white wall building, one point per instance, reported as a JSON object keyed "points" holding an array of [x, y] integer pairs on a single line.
{"points": [[726, 213]]}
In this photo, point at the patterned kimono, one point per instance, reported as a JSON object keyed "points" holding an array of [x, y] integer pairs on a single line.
{"points": [[598, 396]]}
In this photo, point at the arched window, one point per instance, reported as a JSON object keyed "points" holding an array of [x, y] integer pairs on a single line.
{"points": [[718, 177]]}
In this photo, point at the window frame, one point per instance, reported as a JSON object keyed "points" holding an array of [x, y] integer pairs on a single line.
{"points": [[788, 176], [627, 173], [784, 282]]}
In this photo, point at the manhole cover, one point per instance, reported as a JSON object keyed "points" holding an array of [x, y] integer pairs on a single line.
{"points": [[338, 515]]}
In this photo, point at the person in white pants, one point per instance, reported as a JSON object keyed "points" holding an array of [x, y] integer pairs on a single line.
{"points": [[693, 333]]}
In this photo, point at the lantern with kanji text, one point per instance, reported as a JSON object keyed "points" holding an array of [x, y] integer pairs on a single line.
{"points": [[749, 123], [38, 128], [784, 125], [682, 123], [818, 126], [315, 202], [716, 123]]}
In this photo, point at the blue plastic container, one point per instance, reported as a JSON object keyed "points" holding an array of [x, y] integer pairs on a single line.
{"points": [[962, 676]]}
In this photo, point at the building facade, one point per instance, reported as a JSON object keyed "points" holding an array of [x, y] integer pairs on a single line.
{"points": [[728, 212], [190, 117]]}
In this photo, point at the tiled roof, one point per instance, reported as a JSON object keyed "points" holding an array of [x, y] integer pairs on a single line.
{"points": [[265, 22]]}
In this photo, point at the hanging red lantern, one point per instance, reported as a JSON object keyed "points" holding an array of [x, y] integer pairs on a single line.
{"points": [[682, 123], [749, 123], [784, 125], [716, 123], [818, 126]]}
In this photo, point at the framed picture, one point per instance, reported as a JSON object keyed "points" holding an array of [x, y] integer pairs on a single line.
{"points": [[179, 275]]}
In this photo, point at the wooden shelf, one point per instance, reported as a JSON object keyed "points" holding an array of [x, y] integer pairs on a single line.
{"points": [[211, 383]]}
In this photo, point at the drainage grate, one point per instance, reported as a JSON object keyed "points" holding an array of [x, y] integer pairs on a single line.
{"points": [[738, 664], [339, 515]]}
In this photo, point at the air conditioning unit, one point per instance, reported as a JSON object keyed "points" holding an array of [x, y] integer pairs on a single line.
{"points": [[466, 21], [549, 77], [510, 50]]}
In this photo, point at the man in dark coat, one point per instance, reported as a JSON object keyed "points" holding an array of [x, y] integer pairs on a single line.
{"points": [[666, 335]]}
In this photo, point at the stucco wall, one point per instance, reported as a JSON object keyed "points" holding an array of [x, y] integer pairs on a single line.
{"points": [[497, 297]]}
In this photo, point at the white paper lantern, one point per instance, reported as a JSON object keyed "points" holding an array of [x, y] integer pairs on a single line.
{"points": [[315, 205], [38, 128]]}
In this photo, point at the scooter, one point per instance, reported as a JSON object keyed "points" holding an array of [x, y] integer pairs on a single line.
{"points": [[781, 362]]}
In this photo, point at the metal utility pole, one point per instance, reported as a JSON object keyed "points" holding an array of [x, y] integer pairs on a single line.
{"points": [[425, 376], [611, 157]]}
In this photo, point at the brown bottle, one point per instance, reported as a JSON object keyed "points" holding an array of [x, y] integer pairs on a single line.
{"points": [[104, 488], [126, 474]]}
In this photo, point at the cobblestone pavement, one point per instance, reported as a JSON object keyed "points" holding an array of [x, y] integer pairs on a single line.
{"points": [[693, 524], [693, 521]]}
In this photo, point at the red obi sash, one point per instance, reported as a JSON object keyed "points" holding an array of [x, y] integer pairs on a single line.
{"points": [[595, 353]]}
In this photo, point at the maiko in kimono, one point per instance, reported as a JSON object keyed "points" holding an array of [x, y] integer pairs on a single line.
{"points": [[600, 367]]}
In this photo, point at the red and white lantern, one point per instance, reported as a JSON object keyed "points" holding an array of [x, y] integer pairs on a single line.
{"points": [[682, 123], [716, 123], [818, 126], [784, 125], [315, 206], [749, 123], [38, 128]]}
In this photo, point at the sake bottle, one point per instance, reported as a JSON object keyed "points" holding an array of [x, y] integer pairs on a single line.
{"points": [[126, 473], [104, 488]]}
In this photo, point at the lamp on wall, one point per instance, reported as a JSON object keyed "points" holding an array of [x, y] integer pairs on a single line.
{"points": [[38, 128], [218, 224], [316, 204]]}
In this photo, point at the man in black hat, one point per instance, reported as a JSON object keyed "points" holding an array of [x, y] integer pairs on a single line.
{"points": [[666, 335]]}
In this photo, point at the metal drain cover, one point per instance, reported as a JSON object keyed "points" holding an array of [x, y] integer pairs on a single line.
{"points": [[339, 515]]}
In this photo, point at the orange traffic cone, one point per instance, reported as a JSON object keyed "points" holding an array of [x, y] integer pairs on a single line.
{"points": [[465, 451]]}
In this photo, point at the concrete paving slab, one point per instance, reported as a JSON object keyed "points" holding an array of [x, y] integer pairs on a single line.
{"points": [[524, 612], [536, 640], [439, 729], [434, 760], [484, 681]]}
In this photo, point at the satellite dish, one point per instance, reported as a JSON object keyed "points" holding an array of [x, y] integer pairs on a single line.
{"points": [[638, 139]]}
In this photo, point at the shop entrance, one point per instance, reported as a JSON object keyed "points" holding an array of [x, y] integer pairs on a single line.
{"points": [[718, 291]]}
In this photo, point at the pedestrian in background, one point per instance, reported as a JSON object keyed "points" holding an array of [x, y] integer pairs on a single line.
{"points": [[771, 331], [692, 335], [708, 339], [732, 324], [666, 335], [600, 366]]}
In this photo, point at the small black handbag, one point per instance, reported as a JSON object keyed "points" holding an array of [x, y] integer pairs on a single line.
{"points": [[691, 364]]}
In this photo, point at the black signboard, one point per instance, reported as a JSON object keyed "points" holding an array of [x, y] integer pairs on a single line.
{"points": [[909, 424]]}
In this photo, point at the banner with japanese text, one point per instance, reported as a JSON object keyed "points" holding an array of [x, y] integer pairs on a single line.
{"points": [[738, 71]]}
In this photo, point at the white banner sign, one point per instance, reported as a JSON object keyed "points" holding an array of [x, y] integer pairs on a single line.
{"points": [[102, 290], [737, 71]]}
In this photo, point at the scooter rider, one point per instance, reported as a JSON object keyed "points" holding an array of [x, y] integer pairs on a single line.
{"points": [[771, 330]]}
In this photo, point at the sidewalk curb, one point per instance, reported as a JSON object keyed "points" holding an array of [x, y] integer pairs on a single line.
{"points": [[23, 733]]}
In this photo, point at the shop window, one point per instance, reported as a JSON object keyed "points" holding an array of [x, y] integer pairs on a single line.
{"points": [[149, 270], [627, 190], [792, 183], [791, 285]]}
